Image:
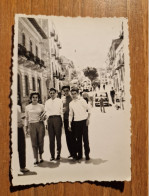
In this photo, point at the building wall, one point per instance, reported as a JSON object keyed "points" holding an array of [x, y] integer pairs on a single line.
{"points": [[31, 34]]}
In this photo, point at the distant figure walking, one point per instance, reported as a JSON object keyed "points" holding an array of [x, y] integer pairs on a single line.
{"points": [[104, 86], [102, 108], [112, 94]]}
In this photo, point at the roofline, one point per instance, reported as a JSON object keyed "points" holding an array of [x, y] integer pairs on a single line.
{"points": [[38, 28]]}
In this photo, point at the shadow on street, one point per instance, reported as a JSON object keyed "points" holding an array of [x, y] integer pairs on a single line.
{"points": [[50, 164], [29, 173]]}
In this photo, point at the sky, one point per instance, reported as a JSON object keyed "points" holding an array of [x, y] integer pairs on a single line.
{"points": [[86, 41]]}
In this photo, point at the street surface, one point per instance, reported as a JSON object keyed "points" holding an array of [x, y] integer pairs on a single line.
{"points": [[109, 138]]}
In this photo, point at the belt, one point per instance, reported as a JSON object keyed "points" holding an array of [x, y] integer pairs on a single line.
{"points": [[53, 116]]}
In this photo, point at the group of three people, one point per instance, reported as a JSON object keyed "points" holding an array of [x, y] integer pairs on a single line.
{"points": [[72, 111]]}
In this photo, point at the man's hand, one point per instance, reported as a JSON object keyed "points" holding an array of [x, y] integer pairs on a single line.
{"points": [[87, 122], [69, 128], [27, 132], [20, 124]]}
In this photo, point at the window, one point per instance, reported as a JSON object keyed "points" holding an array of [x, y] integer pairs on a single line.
{"points": [[31, 46], [39, 86], [33, 84], [26, 86], [23, 39], [36, 51]]}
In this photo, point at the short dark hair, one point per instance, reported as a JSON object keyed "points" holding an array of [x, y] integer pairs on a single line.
{"points": [[35, 93], [52, 89], [75, 89], [68, 87]]}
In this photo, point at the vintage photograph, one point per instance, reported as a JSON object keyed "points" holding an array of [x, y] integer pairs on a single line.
{"points": [[71, 102]]}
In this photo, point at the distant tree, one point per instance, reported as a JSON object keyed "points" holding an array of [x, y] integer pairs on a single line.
{"points": [[96, 83], [91, 73], [73, 74]]}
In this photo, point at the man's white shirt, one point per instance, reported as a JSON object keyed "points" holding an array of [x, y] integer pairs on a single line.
{"points": [[78, 109], [54, 107]]}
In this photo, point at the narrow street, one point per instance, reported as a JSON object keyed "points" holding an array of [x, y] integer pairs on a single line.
{"points": [[109, 141]]}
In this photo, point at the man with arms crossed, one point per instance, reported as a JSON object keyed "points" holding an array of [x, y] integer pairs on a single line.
{"points": [[66, 100], [80, 111]]}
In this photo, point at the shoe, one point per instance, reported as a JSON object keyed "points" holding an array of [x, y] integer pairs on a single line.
{"points": [[36, 163], [52, 159], [24, 170], [78, 157], [58, 157], [41, 161], [70, 156], [87, 158]]}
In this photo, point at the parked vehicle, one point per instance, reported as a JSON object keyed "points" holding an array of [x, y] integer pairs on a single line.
{"points": [[104, 96]]}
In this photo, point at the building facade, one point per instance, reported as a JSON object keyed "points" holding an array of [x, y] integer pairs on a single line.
{"points": [[33, 58], [115, 63]]}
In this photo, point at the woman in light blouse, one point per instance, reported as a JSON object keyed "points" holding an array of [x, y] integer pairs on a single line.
{"points": [[34, 123]]}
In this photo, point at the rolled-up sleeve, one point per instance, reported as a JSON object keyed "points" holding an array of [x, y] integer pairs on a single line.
{"points": [[86, 106]]}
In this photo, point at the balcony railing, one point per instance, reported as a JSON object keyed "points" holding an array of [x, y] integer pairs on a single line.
{"points": [[56, 38], [52, 32], [21, 50], [37, 60], [29, 55], [42, 64]]}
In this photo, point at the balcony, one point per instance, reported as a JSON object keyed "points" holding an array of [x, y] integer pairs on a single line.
{"points": [[56, 38], [52, 33], [21, 50], [21, 54], [37, 60], [42, 64], [29, 55], [53, 52]]}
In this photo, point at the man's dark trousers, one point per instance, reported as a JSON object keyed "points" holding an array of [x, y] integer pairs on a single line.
{"points": [[79, 130], [55, 131], [68, 137], [21, 148]]}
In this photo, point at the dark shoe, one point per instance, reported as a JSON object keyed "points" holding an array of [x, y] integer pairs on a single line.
{"points": [[41, 161], [79, 157], [87, 158], [24, 170], [70, 156], [58, 157], [52, 159], [36, 163]]}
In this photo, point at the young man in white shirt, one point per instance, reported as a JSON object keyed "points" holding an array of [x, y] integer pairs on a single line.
{"points": [[54, 113], [79, 112]]}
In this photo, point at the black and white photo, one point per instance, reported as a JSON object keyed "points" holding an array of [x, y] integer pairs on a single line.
{"points": [[71, 96]]}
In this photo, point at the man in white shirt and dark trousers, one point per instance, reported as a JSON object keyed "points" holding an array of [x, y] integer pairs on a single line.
{"points": [[79, 111], [54, 113]]}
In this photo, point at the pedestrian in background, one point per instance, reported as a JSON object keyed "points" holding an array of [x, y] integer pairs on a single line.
{"points": [[102, 108], [66, 99], [112, 94], [78, 113], [21, 141], [54, 113], [34, 126]]}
